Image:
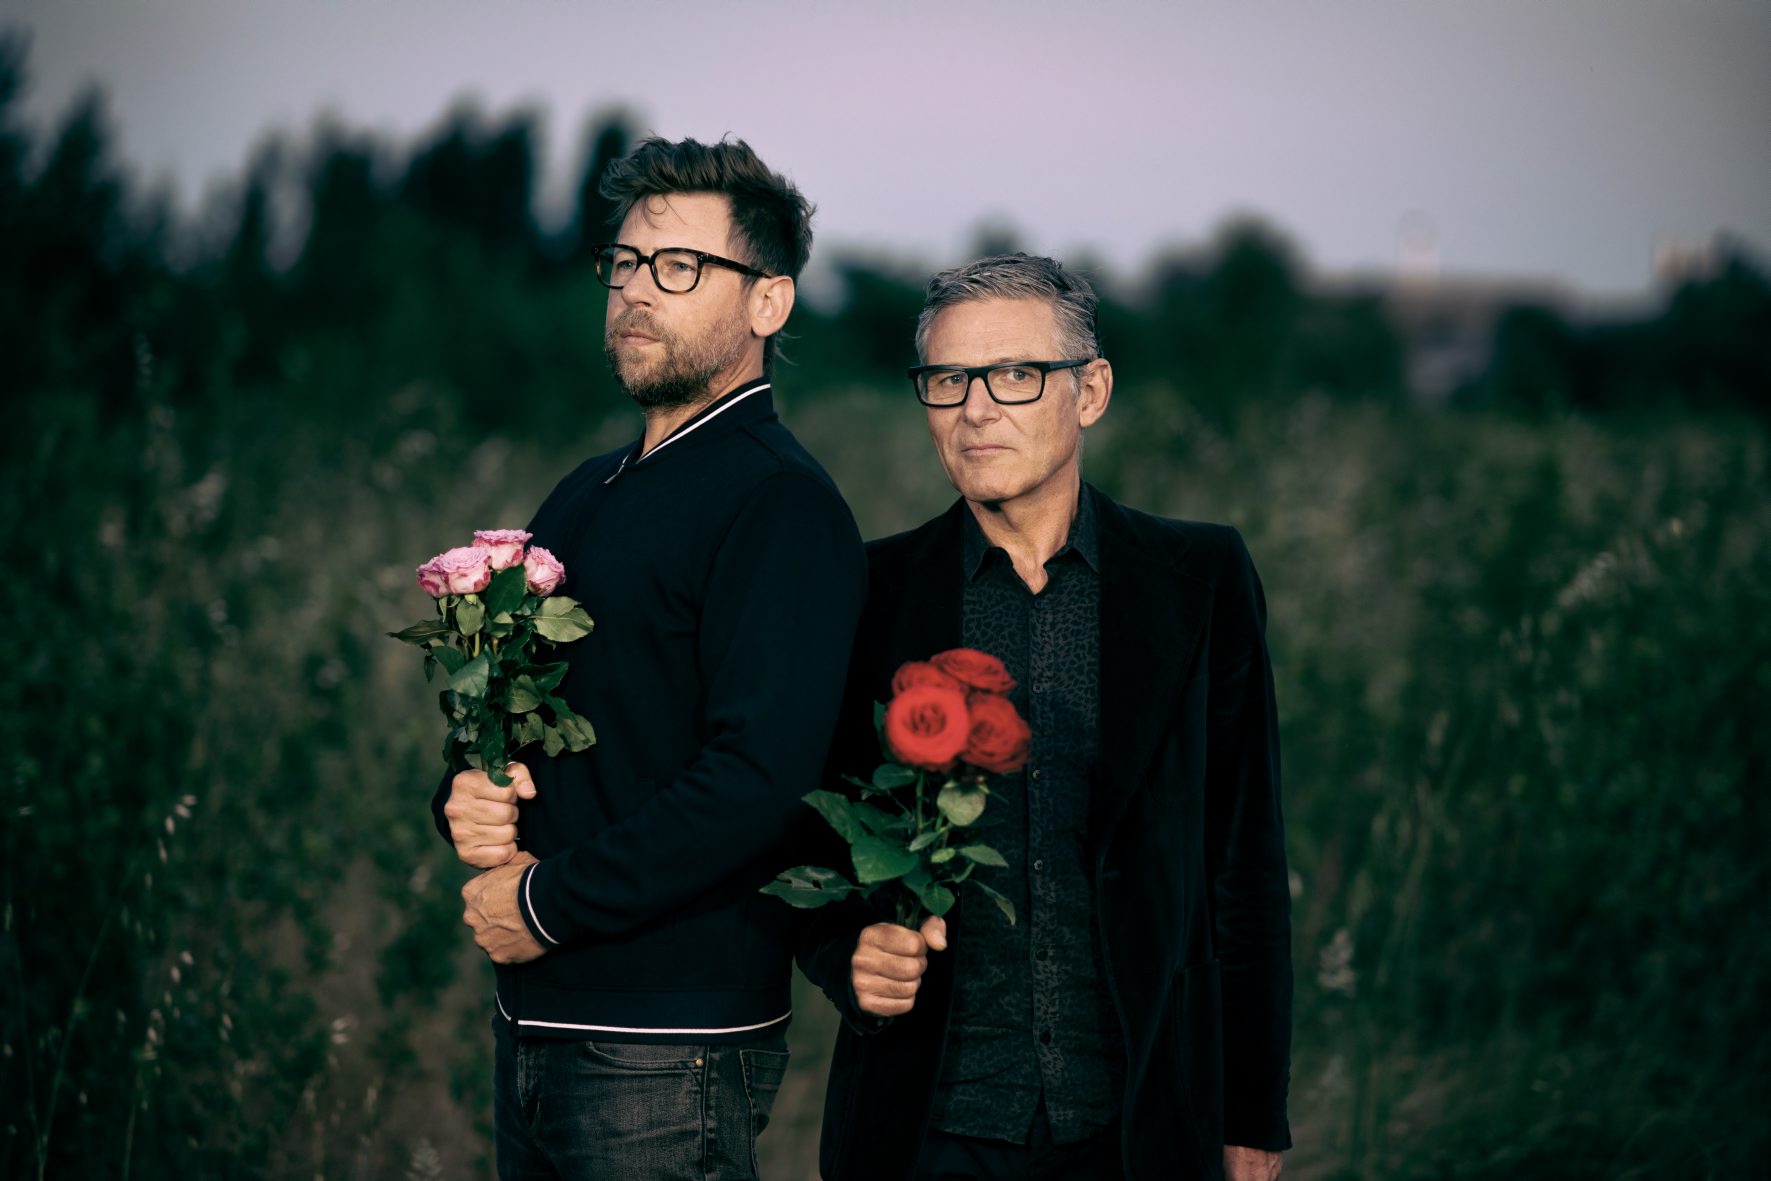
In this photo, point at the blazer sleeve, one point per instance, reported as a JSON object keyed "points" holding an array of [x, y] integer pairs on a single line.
{"points": [[785, 591], [1245, 853], [828, 943]]}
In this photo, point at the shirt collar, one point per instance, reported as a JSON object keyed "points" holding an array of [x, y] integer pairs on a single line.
{"points": [[1084, 540], [754, 393]]}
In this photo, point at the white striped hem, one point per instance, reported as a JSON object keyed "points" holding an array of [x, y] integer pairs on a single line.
{"points": [[529, 904], [650, 1029]]}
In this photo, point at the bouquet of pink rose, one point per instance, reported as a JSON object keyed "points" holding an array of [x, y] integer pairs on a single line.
{"points": [[495, 601]]}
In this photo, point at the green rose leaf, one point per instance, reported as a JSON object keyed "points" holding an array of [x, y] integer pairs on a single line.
{"points": [[879, 860], [961, 803], [527, 729], [419, 633], [552, 741], [1002, 904], [924, 841], [576, 731], [470, 679], [943, 856], [983, 855], [469, 616], [809, 886], [573, 625], [451, 659], [557, 605], [889, 776], [507, 590], [525, 695], [878, 820], [839, 813], [547, 677], [936, 898]]}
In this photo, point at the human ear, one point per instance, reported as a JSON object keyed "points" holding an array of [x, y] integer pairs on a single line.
{"points": [[1096, 392], [771, 301]]}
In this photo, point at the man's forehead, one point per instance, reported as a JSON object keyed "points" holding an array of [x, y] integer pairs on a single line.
{"points": [[701, 220], [979, 331]]}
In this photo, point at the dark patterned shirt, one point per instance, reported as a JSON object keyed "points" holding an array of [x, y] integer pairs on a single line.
{"points": [[1031, 1010]]}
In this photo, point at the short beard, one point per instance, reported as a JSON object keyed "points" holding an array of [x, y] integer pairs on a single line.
{"points": [[682, 376]]}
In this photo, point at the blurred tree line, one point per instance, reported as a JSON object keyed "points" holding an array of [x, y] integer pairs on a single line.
{"points": [[432, 265], [1522, 649]]}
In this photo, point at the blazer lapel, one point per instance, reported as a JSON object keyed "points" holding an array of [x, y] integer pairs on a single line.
{"points": [[1152, 618], [926, 594]]}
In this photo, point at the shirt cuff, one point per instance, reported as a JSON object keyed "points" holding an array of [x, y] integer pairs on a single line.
{"points": [[526, 893]]}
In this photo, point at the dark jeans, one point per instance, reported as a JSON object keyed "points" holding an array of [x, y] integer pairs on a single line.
{"points": [[611, 1111], [947, 1157]]}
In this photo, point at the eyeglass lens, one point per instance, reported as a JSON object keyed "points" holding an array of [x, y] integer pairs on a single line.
{"points": [[1009, 383], [672, 270]]}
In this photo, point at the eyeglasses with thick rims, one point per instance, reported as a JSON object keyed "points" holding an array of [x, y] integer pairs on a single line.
{"points": [[1012, 383], [675, 269]]}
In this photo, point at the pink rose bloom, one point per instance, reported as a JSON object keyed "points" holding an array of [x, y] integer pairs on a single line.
{"points": [[432, 581], [543, 570], [466, 569], [506, 546]]}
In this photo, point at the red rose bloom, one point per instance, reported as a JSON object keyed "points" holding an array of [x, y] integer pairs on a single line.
{"points": [[1000, 738], [921, 672], [980, 670], [927, 726]]}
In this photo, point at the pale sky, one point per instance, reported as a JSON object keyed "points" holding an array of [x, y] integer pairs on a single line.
{"points": [[1555, 138]]}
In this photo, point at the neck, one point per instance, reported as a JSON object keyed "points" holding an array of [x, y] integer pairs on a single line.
{"points": [[662, 421], [1032, 528]]}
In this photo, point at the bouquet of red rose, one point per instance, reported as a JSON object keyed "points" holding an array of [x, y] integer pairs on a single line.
{"points": [[495, 601], [948, 725]]}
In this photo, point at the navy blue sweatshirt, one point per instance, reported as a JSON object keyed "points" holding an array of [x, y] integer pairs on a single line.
{"points": [[725, 577]]}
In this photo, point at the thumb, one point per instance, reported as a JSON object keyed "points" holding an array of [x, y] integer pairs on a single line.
{"points": [[524, 783], [934, 932]]}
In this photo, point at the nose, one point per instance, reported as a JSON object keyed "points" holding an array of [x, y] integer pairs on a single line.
{"points": [[640, 290], [979, 407]]}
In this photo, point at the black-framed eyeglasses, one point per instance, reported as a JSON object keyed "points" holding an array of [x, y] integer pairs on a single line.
{"points": [[1011, 383], [675, 269]]}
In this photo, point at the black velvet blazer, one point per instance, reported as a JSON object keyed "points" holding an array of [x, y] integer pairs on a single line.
{"points": [[1186, 841]]}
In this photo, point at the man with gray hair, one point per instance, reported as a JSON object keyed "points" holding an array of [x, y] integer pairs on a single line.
{"points": [[1135, 1022]]}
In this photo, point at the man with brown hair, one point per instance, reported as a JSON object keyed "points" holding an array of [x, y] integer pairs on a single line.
{"points": [[1135, 1021], [643, 981]]}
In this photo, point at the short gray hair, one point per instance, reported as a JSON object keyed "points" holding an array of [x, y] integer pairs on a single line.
{"points": [[1018, 276]]}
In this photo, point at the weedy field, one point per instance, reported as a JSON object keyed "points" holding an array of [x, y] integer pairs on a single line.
{"points": [[1522, 669]]}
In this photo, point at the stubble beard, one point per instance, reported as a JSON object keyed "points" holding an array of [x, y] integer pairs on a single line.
{"points": [[688, 367]]}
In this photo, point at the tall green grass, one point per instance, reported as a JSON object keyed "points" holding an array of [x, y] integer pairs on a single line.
{"points": [[1522, 667]]}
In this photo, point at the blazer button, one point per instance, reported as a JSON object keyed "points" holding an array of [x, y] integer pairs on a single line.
{"points": [[1038, 864]]}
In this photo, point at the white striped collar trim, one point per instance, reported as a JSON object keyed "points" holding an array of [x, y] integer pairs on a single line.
{"points": [[649, 1029], [634, 458], [697, 423]]}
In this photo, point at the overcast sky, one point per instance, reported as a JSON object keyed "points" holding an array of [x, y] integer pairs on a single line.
{"points": [[1562, 138]]}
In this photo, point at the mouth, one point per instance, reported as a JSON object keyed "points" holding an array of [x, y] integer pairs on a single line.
{"points": [[979, 450], [631, 337]]}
